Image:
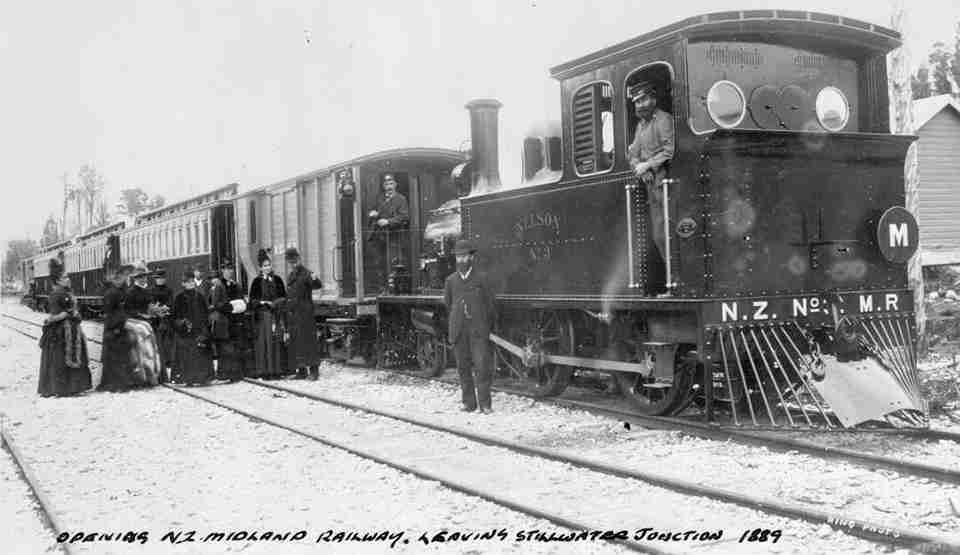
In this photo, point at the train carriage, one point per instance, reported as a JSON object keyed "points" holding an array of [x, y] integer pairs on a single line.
{"points": [[783, 295], [325, 215], [194, 233]]}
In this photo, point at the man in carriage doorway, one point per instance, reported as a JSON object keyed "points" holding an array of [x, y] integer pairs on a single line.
{"points": [[470, 311], [388, 221], [651, 151]]}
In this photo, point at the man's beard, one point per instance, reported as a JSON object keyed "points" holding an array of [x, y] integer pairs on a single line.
{"points": [[462, 267]]}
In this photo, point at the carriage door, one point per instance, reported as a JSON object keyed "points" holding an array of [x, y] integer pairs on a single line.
{"points": [[345, 271], [380, 248]]}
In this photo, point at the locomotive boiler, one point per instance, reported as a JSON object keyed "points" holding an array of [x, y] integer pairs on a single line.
{"points": [[782, 298]]}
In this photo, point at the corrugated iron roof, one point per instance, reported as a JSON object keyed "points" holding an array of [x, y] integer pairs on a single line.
{"points": [[925, 108]]}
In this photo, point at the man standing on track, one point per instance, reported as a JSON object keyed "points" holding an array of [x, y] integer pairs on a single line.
{"points": [[303, 349], [470, 311]]}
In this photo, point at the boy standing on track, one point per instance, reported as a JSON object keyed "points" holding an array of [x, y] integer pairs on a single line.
{"points": [[470, 311]]}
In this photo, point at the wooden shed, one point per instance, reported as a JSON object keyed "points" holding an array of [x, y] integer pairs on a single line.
{"points": [[937, 123]]}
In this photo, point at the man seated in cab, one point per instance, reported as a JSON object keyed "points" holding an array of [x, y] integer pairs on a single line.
{"points": [[652, 148], [391, 215]]}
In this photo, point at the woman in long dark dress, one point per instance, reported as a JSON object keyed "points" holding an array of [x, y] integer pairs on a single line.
{"points": [[64, 364], [266, 293], [145, 355], [115, 354], [189, 317], [303, 350]]}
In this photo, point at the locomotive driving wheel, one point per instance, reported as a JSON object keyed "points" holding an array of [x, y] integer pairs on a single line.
{"points": [[542, 332], [658, 397], [431, 354]]}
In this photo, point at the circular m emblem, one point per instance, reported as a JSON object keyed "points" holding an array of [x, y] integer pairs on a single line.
{"points": [[897, 235]]}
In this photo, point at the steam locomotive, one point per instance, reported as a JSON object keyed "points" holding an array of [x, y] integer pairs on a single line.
{"points": [[783, 300]]}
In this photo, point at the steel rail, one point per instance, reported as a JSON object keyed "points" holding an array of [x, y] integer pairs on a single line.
{"points": [[757, 438], [46, 507], [423, 474], [880, 533]]}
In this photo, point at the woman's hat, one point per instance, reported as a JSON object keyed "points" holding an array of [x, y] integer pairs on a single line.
{"points": [[464, 247], [159, 273], [291, 253], [139, 269], [56, 268], [226, 264], [187, 276], [261, 256]]}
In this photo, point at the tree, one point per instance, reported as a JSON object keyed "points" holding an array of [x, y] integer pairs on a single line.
{"points": [[955, 61], [920, 83], [102, 214], [17, 250], [51, 234], [89, 190], [940, 63], [134, 201]]}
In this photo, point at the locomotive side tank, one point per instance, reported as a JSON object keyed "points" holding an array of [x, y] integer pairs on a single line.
{"points": [[782, 298]]}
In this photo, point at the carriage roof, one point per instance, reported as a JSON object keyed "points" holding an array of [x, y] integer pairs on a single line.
{"points": [[858, 37], [413, 153]]}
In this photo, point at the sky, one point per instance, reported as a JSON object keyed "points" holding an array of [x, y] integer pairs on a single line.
{"points": [[181, 97]]}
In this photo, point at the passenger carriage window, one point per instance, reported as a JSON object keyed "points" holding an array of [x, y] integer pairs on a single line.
{"points": [[252, 220], [592, 115]]}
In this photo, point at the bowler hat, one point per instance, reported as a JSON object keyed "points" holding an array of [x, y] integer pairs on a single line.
{"points": [[226, 264], [291, 253], [159, 273], [641, 88], [464, 247], [187, 276]]}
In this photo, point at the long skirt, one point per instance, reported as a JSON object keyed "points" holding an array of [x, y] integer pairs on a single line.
{"points": [[64, 363], [232, 352], [269, 351], [193, 364], [130, 356]]}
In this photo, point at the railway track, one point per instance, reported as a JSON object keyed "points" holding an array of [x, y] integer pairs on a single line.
{"points": [[26, 473], [775, 439], [227, 397]]}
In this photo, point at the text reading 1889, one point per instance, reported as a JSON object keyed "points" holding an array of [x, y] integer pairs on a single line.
{"points": [[760, 535]]}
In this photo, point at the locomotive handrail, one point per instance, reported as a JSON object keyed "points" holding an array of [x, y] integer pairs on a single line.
{"points": [[629, 187], [665, 183]]}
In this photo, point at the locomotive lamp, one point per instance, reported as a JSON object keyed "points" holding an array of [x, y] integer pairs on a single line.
{"points": [[398, 282], [345, 184]]}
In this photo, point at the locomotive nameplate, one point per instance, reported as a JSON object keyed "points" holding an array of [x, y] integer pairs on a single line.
{"points": [[762, 310]]}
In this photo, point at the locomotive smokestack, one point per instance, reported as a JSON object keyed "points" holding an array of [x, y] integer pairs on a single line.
{"points": [[483, 138]]}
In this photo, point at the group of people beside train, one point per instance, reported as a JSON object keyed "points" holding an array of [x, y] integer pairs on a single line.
{"points": [[201, 334]]}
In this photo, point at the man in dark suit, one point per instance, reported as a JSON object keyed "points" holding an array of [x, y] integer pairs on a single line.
{"points": [[470, 311], [388, 221]]}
